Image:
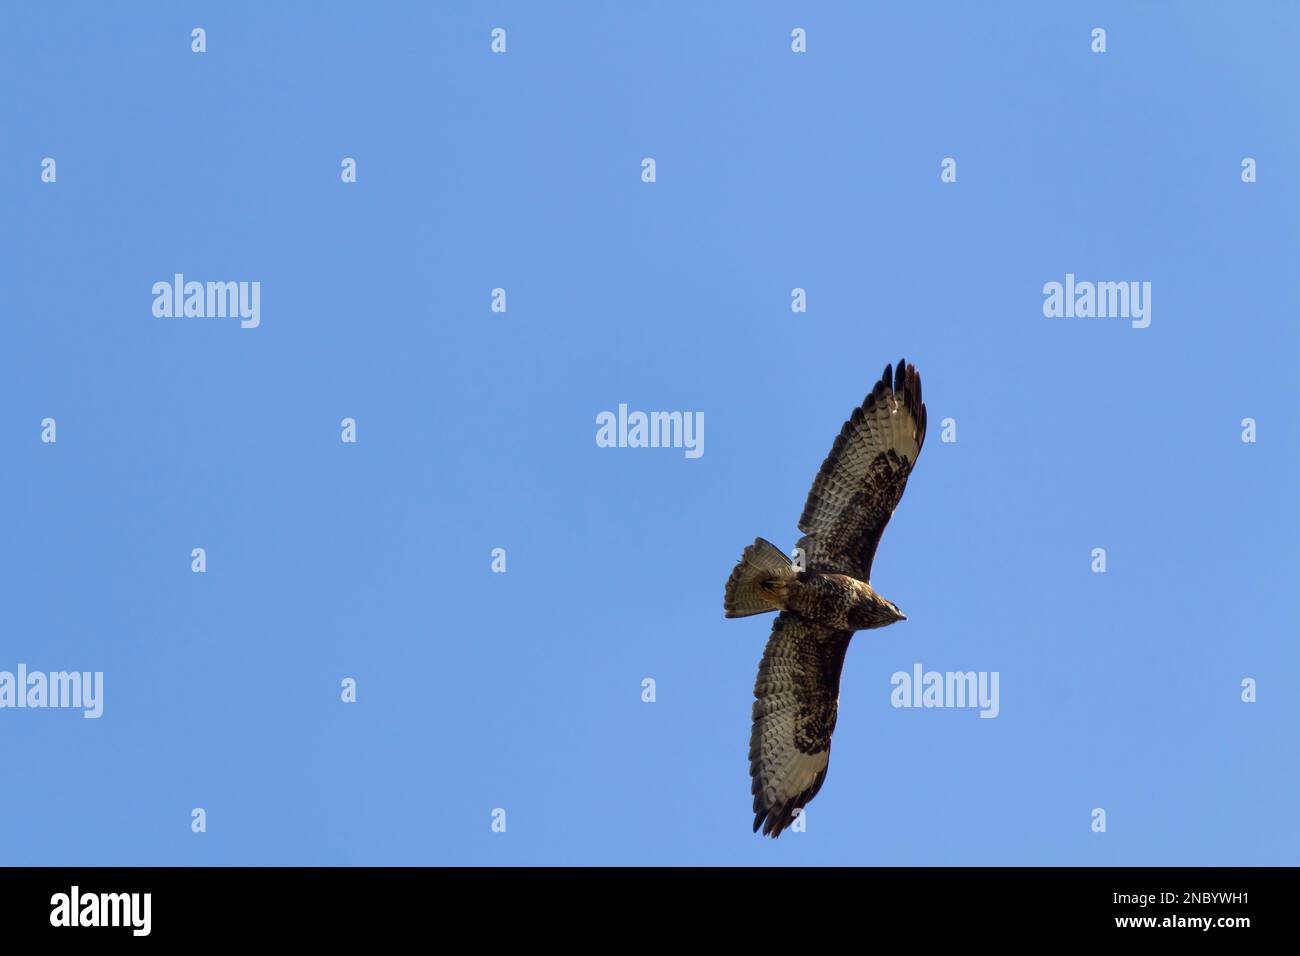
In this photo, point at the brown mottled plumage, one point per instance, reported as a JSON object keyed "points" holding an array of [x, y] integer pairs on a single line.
{"points": [[798, 685]]}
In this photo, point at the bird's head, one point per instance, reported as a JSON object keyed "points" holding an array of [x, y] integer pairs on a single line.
{"points": [[891, 609]]}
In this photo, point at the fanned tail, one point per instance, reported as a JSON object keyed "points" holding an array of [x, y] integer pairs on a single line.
{"points": [[758, 582]]}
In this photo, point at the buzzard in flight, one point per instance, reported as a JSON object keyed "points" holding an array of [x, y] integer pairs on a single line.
{"points": [[798, 685]]}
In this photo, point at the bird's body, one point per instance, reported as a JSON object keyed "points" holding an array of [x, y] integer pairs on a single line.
{"points": [[825, 596], [835, 601]]}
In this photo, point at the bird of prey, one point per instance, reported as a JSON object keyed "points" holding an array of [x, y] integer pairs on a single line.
{"points": [[825, 601]]}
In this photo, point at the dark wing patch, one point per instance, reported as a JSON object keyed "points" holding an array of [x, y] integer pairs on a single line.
{"points": [[797, 701], [862, 479]]}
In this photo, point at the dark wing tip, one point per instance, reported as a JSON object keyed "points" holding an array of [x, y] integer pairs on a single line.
{"points": [[907, 385], [902, 379], [777, 819]]}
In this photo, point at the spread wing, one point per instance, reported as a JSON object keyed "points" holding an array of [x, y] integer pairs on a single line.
{"points": [[797, 691], [862, 479]]}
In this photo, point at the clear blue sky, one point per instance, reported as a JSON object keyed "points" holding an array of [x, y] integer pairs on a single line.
{"points": [[476, 430]]}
